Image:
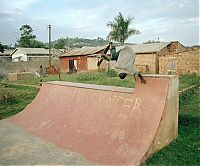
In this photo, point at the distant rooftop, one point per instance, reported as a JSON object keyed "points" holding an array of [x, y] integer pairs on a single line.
{"points": [[32, 51], [146, 48], [138, 48], [84, 51], [7, 52]]}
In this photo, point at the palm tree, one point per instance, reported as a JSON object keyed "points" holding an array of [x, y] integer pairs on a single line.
{"points": [[120, 30]]}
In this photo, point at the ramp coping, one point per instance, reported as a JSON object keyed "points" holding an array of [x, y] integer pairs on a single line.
{"points": [[93, 86], [159, 75]]}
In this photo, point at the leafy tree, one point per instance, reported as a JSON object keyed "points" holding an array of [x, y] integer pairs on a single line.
{"points": [[60, 43], [38, 44], [2, 49], [120, 30], [6, 47], [27, 38], [78, 42]]}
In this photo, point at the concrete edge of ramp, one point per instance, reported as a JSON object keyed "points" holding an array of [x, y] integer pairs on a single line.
{"points": [[104, 125], [92, 86]]}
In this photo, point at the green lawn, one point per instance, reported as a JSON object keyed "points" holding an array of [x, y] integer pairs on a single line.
{"points": [[105, 78], [185, 150], [100, 78], [19, 98]]}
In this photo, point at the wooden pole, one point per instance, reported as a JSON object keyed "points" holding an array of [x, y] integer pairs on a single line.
{"points": [[49, 27]]}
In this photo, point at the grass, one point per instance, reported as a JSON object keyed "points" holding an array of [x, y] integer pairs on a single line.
{"points": [[106, 78], [20, 97], [188, 80], [185, 150], [100, 78]]}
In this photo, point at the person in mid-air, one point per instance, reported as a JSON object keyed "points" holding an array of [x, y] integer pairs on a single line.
{"points": [[122, 60]]}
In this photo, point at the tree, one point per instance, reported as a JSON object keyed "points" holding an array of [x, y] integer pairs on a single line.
{"points": [[2, 49], [38, 44], [120, 30], [27, 38], [60, 43]]}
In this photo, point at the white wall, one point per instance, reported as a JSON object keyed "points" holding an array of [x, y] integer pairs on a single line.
{"points": [[19, 57]]}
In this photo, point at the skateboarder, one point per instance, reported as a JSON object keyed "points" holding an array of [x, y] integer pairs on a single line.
{"points": [[122, 60]]}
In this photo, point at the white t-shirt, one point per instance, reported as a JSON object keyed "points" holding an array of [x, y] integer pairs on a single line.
{"points": [[125, 61]]}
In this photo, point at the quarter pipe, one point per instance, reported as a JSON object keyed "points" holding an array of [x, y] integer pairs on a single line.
{"points": [[107, 125]]}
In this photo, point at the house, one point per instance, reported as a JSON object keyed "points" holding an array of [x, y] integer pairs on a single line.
{"points": [[80, 59], [155, 58], [185, 62], [29, 54], [148, 55], [166, 58], [5, 56]]}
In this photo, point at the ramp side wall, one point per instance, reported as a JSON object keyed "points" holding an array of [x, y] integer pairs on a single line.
{"points": [[168, 128]]}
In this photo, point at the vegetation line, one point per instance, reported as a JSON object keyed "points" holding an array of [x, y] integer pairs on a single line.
{"points": [[17, 84]]}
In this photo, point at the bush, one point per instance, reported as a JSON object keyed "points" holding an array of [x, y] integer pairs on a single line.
{"points": [[6, 96], [2, 77]]}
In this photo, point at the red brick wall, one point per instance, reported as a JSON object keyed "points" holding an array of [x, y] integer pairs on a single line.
{"points": [[81, 63], [181, 63], [146, 63]]}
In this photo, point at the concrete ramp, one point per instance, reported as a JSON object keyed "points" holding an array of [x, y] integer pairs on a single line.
{"points": [[106, 125]]}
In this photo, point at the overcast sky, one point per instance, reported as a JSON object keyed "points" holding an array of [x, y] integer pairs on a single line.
{"points": [[170, 20]]}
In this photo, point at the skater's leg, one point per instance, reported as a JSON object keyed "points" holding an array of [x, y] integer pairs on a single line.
{"points": [[141, 78], [105, 56]]}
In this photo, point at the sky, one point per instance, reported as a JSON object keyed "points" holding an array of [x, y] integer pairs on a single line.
{"points": [[168, 20]]}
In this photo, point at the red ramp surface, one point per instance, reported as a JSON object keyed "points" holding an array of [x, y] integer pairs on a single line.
{"points": [[107, 125]]}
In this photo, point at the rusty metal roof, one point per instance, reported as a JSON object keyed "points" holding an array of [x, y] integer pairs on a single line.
{"points": [[83, 51], [147, 48], [138, 48]]}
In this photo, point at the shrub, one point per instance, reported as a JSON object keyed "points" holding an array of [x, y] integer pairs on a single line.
{"points": [[6, 96], [2, 77]]}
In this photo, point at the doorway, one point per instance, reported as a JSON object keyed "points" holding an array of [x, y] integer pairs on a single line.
{"points": [[72, 66]]}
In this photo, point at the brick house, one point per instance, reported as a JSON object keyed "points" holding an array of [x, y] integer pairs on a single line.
{"points": [[154, 58], [148, 55], [79, 59]]}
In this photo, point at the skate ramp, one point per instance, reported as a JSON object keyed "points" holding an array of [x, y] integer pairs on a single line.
{"points": [[106, 125]]}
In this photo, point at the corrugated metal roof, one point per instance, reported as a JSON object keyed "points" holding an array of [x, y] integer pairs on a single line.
{"points": [[36, 51], [138, 48], [83, 51], [147, 48], [7, 52]]}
